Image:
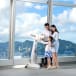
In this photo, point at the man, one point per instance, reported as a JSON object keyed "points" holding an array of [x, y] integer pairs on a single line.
{"points": [[46, 34], [47, 31]]}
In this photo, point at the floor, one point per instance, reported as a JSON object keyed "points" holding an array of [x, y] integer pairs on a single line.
{"points": [[63, 70]]}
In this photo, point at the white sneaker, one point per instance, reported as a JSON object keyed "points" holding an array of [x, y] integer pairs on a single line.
{"points": [[53, 67], [49, 67]]}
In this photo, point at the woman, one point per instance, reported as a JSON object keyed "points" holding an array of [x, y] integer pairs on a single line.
{"points": [[55, 35]]}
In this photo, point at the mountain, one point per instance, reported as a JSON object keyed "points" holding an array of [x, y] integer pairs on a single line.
{"points": [[67, 48], [23, 49]]}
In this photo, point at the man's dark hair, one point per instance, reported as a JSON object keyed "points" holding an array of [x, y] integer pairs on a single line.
{"points": [[46, 24]]}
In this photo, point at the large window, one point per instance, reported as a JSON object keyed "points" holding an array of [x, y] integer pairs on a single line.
{"points": [[65, 20], [30, 19], [4, 28]]}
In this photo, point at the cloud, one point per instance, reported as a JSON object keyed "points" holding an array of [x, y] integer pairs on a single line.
{"points": [[3, 4], [27, 23], [4, 31], [39, 7], [66, 23], [33, 5], [63, 30], [43, 20], [62, 18], [74, 1], [28, 4], [65, 18], [72, 15], [4, 20], [72, 28]]}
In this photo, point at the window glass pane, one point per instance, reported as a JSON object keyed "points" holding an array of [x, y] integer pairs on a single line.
{"points": [[30, 18], [68, 1], [65, 20], [41, 1], [4, 28]]}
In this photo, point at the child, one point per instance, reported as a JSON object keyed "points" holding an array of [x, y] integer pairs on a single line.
{"points": [[48, 50]]}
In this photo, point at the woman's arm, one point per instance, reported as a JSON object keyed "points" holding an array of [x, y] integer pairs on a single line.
{"points": [[55, 36]]}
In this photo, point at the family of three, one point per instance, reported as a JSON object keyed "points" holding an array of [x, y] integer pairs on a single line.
{"points": [[51, 45], [50, 37]]}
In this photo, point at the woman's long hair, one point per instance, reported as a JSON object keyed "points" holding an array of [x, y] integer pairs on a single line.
{"points": [[55, 29]]}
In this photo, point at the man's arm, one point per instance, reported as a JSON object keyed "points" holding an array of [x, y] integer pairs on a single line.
{"points": [[43, 42]]}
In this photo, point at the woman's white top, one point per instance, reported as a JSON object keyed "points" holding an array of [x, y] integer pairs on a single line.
{"points": [[56, 36], [56, 42]]}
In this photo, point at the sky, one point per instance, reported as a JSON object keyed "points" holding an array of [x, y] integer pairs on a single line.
{"points": [[30, 18]]}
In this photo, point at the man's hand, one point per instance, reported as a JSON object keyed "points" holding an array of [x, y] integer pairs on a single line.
{"points": [[33, 35]]}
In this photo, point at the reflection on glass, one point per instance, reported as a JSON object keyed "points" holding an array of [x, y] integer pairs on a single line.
{"points": [[65, 20], [30, 19], [68, 1], [4, 28]]}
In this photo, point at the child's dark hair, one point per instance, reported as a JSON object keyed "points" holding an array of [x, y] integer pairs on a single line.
{"points": [[51, 38], [55, 28], [46, 24]]}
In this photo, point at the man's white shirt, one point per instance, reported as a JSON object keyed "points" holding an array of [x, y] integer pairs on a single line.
{"points": [[46, 34]]}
